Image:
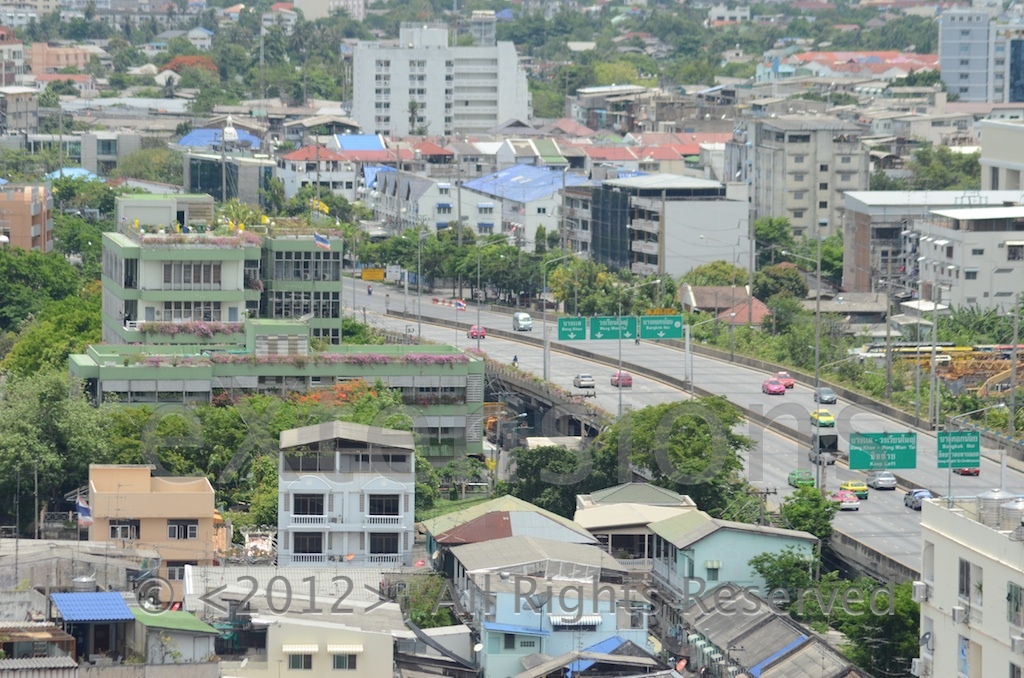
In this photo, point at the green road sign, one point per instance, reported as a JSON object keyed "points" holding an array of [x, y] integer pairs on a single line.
{"points": [[960, 449], [613, 327], [572, 329], [661, 327], [882, 451]]}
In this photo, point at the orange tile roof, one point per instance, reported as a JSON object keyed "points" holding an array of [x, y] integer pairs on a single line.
{"points": [[312, 154]]}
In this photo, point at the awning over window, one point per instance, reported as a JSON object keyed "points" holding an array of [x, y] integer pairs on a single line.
{"points": [[572, 620], [485, 205], [713, 564], [345, 649], [1014, 243], [300, 649], [444, 205]]}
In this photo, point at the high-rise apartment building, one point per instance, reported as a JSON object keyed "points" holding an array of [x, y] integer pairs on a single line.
{"points": [[421, 85], [964, 53], [799, 167]]}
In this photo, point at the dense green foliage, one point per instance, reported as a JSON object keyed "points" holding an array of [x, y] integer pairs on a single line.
{"points": [[934, 168]]}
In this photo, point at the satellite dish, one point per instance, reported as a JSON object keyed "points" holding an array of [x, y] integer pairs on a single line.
{"points": [[230, 133], [537, 601], [478, 647], [925, 639], [436, 554]]}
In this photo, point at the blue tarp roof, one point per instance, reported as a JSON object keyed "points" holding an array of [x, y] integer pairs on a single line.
{"points": [[512, 628], [3, 181], [360, 142], [756, 670], [207, 138], [504, 15], [370, 174], [606, 646], [102, 606], [73, 173], [524, 183]]}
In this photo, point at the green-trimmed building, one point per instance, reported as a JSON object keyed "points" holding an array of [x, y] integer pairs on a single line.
{"points": [[442, 386]]}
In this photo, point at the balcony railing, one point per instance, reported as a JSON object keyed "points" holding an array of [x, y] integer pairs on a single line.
{"points": [[382, 520], [309, 520], [637, 564], [645, 246], [641, 268], [384, 559], [646, 225], [307, 558]]}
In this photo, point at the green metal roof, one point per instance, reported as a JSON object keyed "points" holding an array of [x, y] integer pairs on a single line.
{"points": [[637, 493], [172, 620], [676, 530]]}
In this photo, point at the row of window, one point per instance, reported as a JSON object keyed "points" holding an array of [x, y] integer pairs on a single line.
{"points": [[176, 529], [313, 505], [195, 311], [180, 275], [304, 662], [312, 543]]}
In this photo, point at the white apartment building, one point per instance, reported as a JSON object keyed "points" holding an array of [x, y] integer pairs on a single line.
{"points": [[421, 85], [321, 9], [401, 200], [972, 588], [971, 256], [1002, 154], [346, 493], [312, 165], [799, 167], [981, 59]]}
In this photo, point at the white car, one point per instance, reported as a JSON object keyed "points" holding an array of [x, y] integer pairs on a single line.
{"points": [[584, 381]]}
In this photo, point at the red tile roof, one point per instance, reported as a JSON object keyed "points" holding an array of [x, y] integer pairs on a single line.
{"points": [[279, 6], [611, 153], [493, 525], [312, 154], [429, 148], [742, 313], [659, 153]]}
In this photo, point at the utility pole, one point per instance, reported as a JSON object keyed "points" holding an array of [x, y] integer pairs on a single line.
{"points": [[762, 501], [888, 331], [312, 213], [1012, 426], [661, 251], [933, 395], [458, 208], [35, 474]]}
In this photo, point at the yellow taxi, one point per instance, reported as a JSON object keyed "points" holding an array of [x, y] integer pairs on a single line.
{"points": [[857, 487]]}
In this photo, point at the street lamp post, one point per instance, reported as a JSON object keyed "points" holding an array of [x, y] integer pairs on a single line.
{"points": [[628, 289], [732, 337], [688, 352], [544, 306], [1012, 425]]}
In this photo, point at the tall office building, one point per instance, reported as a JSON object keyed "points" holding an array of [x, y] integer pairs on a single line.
{"points": [[981, 59], [421, 85]]}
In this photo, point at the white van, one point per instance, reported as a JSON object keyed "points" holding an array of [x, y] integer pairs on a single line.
{"points": [[522, 322]]}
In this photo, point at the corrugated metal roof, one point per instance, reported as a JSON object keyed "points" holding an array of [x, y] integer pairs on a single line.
{"points": [[92, 607], [383, 437], [623, 515], [606, 646], [524, 183], [639, 493], [692, 526], [1015, 212], [173, 620], [512, 551], [29, 663], [663, 181], [360, 142], [208, 138]]}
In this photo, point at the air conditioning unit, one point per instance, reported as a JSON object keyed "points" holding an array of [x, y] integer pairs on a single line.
{"points": [[920, 591], [1017, 644], [335, 519], [960, 614], [918, 667]]}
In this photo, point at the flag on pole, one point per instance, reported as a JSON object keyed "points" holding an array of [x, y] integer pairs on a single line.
{"points": [[321, 241], [460, 305], [84, 512]]}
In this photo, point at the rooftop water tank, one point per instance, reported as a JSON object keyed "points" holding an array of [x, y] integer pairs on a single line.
{"points": [[988, 506], [1011, 514], [83, 585]]}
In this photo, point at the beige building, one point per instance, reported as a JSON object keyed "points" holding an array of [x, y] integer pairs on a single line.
{"points": [[19, 110], [45, 59], [174, 516], [316, 648], [1002, 144], [25, 217]]}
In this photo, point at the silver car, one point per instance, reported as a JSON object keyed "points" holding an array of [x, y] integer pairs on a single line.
{"points": [[584, 381], [881, 480]]}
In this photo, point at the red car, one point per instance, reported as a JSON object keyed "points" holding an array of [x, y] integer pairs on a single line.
{"points": [[784, 377], [773, 387], [476, 331], [622, 379], [967, 471]]}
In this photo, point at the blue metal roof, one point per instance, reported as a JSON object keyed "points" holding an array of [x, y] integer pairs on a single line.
{"points": [[208, 138], [360, 142], [370, 173], [756, 670], [512, 628], [524, 183], [102, 606], [73, 173], [504, 15], [606, 646]]}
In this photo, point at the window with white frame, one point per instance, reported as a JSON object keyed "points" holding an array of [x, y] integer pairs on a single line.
{"points": [[182, 529], [300, 662], [124, 529], [345, 662]]}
